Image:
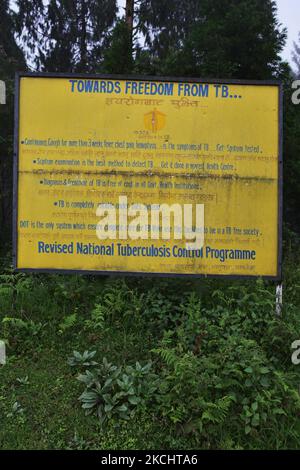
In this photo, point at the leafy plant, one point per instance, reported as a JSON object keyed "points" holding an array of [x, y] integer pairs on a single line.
{"points": [[23, 380], [84, 359], [78, 442], [68, 322], [19, 328], [16, 410], [116, 392], [27, 325], [97, 320]]}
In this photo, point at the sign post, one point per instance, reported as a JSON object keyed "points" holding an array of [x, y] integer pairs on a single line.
{"points": [[2, 92], [2, 353], [279, 303], [139, 175], [2, 101]]}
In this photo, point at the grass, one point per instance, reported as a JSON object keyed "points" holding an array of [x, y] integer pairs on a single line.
{"points": [[213, 344]]}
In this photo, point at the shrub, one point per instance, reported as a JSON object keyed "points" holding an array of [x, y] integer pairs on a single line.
{"points": [[115, 393]]}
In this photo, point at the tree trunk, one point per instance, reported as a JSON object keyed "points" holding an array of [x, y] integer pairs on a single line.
{"points": [[129, 14], [83, 36]]}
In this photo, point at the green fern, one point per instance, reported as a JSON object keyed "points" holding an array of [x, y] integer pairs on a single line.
{"points": [[217, 412]]}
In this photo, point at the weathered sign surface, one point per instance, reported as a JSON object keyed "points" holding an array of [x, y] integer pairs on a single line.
{"points": [[100, 161]]}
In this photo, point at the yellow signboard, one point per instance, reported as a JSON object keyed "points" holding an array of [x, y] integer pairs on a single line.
{"points": [[148, 176]]}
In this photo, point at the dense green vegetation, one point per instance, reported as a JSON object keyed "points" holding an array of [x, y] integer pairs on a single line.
{"points": [[214, 368]]}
